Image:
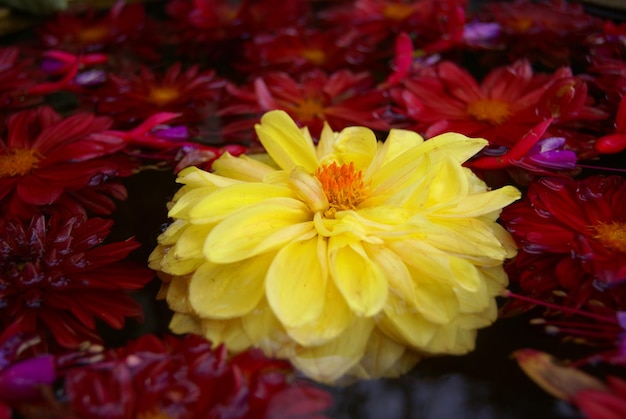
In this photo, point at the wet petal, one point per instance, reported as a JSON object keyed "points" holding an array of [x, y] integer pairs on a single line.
{"points": [[285, 143], [229, 290], [360, 281], [262, 227], [296, 282]]}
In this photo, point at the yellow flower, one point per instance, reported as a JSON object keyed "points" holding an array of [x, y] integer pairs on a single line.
{"points": [[352, 258]]}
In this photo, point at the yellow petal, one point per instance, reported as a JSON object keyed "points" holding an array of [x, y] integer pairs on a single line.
{"points": [[434, 300], [228, 200], [191, 242], [197, 178], [327, 363], [449, 185], [266, 332], [356, 145], [309, 189], [296, 282], [230, 290], [177, 295], [325, 143], [407, 327], [228, 332], [334, 319], [242, 168], [384, 357], [285, 143], [460, 147], [184, 323], [398, 276], [262, 227], [361, 282], [397, 142], [474, 205]]}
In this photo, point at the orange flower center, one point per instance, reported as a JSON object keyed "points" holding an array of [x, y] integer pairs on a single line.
{"points": [[309, 109], [17, 162], [522, 24], [398, 11], [343, 186], [314, 56], [612, 235], [93, 34], [490, 110], [163, 95]]}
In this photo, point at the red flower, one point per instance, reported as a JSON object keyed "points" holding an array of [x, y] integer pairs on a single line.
{"points": [[508, 103], [56, 278], [609, 403], [186, 378], [374, 24], [295, 50], [132, 99], [45, 158], [93, 30], [551, 32], [16, 75], [342, 99], [572, 235]]}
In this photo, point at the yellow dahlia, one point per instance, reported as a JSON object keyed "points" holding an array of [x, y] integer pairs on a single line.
{"points": [[351, 258]]}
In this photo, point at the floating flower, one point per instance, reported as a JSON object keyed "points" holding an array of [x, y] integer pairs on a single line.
{"points": [[45, 157], [185, 378], [190, 92], [342, 99], [56, 278], [353, 257], [572, 238], [507, 103]]}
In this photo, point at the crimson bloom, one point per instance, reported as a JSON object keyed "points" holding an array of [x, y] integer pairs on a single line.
{"points": [[190, 92], [45, 159], [550, 32], [183, 377], [508, 103], [16, 75], [92, 30], [57, 278], [572, 239], [342, 99]]}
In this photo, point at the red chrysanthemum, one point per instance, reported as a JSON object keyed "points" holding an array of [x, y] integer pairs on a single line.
{"points": [[298, 49], [183, 377], [550, 32], [94, 30], [342, 99], [508, 103], [45, 159], [16, 75], [131, 99], [572, 238], [374, 24], [57, 278]]}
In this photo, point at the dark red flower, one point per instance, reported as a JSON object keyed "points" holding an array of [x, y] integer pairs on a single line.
{"points": [[609, 403], [184, 377], [507, 104], [295, 50], [131, 99], [572, 238], [57, 277], [94, 30], [342, 99], [550, 32], [16, 76], [44, 158]]}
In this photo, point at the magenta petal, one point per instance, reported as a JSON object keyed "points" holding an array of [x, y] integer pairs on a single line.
{"points": [[23, 379]]}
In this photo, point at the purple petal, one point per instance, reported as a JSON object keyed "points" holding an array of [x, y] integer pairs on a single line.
{"points": [[176, 133], [23, 379], [90, 77], [557, 159]]}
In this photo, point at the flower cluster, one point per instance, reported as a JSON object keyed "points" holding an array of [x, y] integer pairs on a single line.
{"points": [[364, 184]]}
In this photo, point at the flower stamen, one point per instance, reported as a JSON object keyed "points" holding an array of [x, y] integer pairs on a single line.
{"points": [[17, 162], [612, 235], [492, 111], [163, 95], [343, 186]]}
